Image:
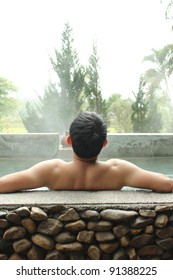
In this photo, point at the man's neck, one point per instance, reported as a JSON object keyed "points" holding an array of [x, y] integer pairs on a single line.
{"points": [[86, 160]]}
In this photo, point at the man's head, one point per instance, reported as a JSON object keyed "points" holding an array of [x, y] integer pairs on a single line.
{"points": [[88, 135]]}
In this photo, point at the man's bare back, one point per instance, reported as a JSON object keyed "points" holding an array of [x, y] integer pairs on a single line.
{"points": [[87, 136], [82, 174]]}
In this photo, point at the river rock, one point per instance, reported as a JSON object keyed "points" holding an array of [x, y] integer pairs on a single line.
{"points": [[50, 227], [21, 245], [14, 218], [149, 229], [90, 215], [141, 222], [35, 253], [99, 226], [85, 236], [3, 214], [54, 255], [70, 216], [164, 233], [69, 247], [65, 237], [120, 254], [94, 252], [150, 250], [4, 223], [147, 213], [163, 208], [3, 257], [161, 221], [165, 244], [117, 215], [109, 247], [124, 241], [23, 211], [43, 241], [38, 214], [104, 236], [121, 230], [140, 240], [16, 256], [29, 225], [75, 226], [131, 252], [14, 232]]}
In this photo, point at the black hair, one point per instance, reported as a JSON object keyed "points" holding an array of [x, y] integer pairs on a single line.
{"points": [[88, 133]]}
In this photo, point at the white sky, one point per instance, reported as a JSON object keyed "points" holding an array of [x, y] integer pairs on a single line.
{"points": [[125, 31]]}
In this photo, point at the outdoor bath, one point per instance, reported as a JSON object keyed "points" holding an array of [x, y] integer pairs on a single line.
{"points": [[133, 224]]}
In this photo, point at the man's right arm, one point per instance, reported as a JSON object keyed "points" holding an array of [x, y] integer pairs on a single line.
{"points": [[141, 178]]}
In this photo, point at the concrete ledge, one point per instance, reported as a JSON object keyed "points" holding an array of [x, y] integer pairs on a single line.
{"points": [[86, 199], [32, 145]]}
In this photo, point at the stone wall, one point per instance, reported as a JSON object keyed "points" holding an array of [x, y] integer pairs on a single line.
{"points": [[73, 233]]}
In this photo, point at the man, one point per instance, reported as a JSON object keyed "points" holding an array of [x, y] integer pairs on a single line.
{"points": [[87, 136]]}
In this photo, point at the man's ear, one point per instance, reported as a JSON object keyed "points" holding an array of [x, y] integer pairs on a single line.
{"points": [[105, 143], [68, 140]]}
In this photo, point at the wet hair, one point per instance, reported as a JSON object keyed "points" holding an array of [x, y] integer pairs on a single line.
{"points": [[88, 133]]}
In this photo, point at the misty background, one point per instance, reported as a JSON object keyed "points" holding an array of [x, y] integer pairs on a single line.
{"points": [[58, 58]]}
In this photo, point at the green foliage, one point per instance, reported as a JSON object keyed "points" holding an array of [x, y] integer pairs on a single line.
{"points": [[119, 114], [145, 116], [62, 101], [92, 85], [8, 104]]}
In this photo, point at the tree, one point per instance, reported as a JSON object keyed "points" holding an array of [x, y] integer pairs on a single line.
{"points": [[62, 100], [159, 75], [119, 114], [8, 104], [145, 116], [92, 85]]}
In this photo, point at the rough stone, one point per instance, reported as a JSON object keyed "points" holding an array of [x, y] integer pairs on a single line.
{"points": [[54, 255], [104, 236], [16, 256], [99, 226], [21, 245], [117, 215], [43, 241], [141, 222], [120, 254], [150, 250], [94, 252], [85, 236], [65, 237], [74, 246], [23, 211], [38, 214], [75, 226], [50, 227], [3, 257], [3, 214], [164, 233], [147, 213], [53, 209], [90, 215], [131, 252], [35, 253], [14, 232], [140, 240], [162, 208], [165, 244], [29, 225], [121, 230], [161, 221], [149, 229], [70, 216], [109, 247], [14, 218], [124, 241], [4, 223]]}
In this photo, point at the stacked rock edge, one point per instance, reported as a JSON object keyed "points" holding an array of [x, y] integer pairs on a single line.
{"points": [[63, 233]]}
